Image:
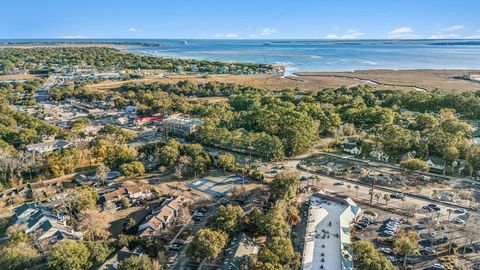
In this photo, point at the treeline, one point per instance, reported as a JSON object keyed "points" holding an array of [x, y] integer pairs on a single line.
{"points": [[43, 60], [188, 88], [272, 125], [466, 103]]}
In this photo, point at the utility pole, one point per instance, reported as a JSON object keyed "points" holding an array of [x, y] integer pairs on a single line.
{"points": [[371, 191], [166, 133], [249, 156]]}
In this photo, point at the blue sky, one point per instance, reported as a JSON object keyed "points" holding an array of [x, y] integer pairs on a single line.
{"points": [[263, 19]]}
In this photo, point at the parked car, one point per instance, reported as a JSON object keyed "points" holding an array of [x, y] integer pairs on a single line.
{"points": [[429, 251], [438, 266], [431, 207], [459, 221], [385, 250], [172, 257], [358, 227], [113, 175], [175, 246], [388, 233], [419, 227], [339, 183], [460, 211], [398, 195], [392, 259]]}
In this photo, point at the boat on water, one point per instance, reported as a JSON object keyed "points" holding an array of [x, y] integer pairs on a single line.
{"points": [[183, 42]]}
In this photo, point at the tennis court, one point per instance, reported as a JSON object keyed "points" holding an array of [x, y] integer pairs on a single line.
{"points": [[217, 183]]}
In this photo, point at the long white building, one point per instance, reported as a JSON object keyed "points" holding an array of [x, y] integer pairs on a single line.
{"points": [[328, 241]]}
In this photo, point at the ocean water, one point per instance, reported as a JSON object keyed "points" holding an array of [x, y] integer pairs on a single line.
{"points": [[314, 55]]}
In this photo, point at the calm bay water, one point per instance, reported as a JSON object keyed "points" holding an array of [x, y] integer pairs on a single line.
{"points": [[328, 55], [315, 55]]}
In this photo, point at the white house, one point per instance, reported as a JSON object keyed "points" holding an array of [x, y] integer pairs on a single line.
{"points": [[351, 148], [49, 146], [379, 155], [436, 165]]}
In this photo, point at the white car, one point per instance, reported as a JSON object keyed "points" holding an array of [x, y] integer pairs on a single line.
{"points": [[460, 211], [459, 221], [389, 233], [385, 250], [438, 266]]}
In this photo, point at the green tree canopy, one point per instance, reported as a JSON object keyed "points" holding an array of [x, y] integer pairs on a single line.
{"points": [[227, 218], [70, 255], [367, 257], [284, 186], [207, 244]]}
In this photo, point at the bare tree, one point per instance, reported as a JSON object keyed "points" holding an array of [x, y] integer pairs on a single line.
{"points": [[181, 169], [102, 173]]}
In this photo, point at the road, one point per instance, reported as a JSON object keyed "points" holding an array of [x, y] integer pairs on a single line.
{"points": [[42, 93], [182, 259]]}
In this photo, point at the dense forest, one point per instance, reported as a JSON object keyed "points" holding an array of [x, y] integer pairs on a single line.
{"points": [[43, 60], [275, 124], [19, 93]]}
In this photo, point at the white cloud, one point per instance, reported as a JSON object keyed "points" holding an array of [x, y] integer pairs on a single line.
{"points": [[268, 31], [453, 28], [402, 32], [352, 34], [473, 36], [332, 36], [452, 35], [226, 35], [73, 36], [132, 29]]}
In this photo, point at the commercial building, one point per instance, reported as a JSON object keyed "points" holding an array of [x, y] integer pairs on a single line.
{"points": [[327, 238], [179, 125]]}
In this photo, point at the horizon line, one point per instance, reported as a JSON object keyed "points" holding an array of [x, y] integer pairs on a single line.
{"points": [[325, 39]]}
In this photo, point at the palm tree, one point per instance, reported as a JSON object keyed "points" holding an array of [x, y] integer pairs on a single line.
{"points": [[407, 245], [378, 196], [356, 190], [349, 187], [403, 202], [371, 193], [386, 198], [449, 210]]}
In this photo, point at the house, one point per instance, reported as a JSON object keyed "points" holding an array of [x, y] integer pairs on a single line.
{"points": [[134, 193], [43, 225], [239, 252], [106, 75], [460, 165], [122, 120], [351, 148], [138, 192], [379, 156], [436, 165], [131, 109], [124, 253], [23, 212], [52, 232], [41, 189], [49, 146], [112, 196], [161, 217]]}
